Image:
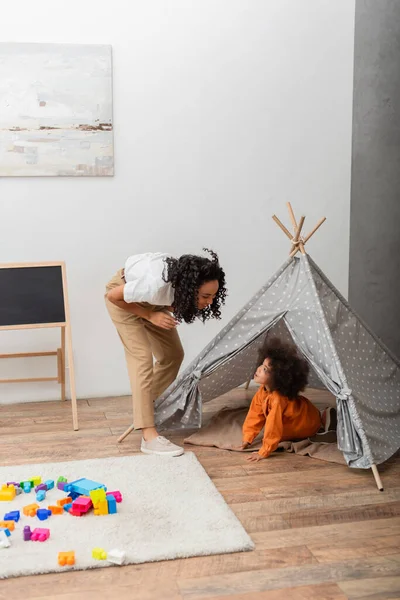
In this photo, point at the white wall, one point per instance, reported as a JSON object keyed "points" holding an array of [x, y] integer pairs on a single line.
{"points": [[223, 110]]}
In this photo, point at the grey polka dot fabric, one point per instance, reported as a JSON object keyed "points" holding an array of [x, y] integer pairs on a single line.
{"points": [[300, 305]]}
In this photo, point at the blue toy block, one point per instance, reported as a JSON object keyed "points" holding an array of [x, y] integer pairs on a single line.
{"points": [[112, 504], [12, 516], [6, 531], [43, 513], [50, 484], [66, 507], [84, 486], [40, 495], [27, 487], [74, 495]]}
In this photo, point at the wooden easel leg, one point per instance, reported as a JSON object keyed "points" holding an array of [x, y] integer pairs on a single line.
{"points": [[63, 363], [125, 434], [377, 478], [72, 379]]}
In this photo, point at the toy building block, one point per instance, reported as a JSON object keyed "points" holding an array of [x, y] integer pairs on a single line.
{"points": [[4, 541], [14, 515], [83, 504], [84, 486], [75, 513], [40, 496], [61, 478], [61, 485], [112, 504], [56, 510], [26, 486], [14, 483], [117, 495], [49, 484], [18, 490], [101, 508], [66, 558], [73, 495], [8, 525], [115, 556], [43, 514], [30, 510], [6, 531], [36, 481], [67, 507], [99, 554], [27, 533], [40, 535], [41, 487], [63, 501], [97, 496], [7, 492]]}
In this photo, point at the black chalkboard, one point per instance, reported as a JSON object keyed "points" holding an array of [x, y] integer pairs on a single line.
{"points": [[31, 295]]}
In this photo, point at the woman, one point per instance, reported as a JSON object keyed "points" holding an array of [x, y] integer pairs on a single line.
{"points": [[140, 300]]}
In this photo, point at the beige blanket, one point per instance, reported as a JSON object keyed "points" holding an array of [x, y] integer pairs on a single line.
{"points": [[224, 430]]}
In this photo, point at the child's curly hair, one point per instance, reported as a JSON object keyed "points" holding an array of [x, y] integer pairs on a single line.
{"points": [[289, 371], [186, 274]]}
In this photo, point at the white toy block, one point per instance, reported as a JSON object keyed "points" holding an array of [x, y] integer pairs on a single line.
{"points": [[117, 557], [4, 541]]}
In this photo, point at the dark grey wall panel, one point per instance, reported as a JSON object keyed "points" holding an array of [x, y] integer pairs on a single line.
{"points": [[374, 285]]}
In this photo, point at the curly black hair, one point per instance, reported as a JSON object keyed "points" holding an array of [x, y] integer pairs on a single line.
{"points": [[289, 371], [186, 275]]}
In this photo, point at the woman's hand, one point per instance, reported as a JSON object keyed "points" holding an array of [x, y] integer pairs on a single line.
{"points": [[163, 320], [255, 457]]}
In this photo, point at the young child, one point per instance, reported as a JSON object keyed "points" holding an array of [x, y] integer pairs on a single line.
{"points": [[278, 405]]}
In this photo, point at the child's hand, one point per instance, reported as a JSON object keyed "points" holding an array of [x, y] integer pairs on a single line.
{"points": [[255, 457], [242, 446]]}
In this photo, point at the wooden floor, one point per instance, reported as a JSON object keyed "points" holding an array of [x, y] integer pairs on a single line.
{"points": [[322, 531]]}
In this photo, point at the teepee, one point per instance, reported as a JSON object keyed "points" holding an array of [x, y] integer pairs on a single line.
{"points": [[345, 357]]}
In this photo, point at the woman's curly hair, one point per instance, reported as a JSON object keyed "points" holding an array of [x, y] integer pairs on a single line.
{"points": [[289, 371], [186, 275]]}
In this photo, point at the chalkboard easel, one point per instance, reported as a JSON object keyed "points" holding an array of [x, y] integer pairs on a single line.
{"points": [[34, 295]]}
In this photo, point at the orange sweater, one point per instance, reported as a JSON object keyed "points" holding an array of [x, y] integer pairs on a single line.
{"points": [[282, 418]]}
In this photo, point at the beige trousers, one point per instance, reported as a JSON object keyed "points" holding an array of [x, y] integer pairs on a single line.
{"points": [[142, 340]]}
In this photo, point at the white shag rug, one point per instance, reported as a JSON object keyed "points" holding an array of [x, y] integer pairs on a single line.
{"points": [[170, 509]]}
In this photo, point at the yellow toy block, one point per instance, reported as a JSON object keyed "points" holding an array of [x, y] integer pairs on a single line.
{"points": [[10, 525], [101, 508], [36, 481], [30, 510], [7, 492], [97, 496], [99, 554]]}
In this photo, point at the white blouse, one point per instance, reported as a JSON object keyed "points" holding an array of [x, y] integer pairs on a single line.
{"points": [[144, 281]]}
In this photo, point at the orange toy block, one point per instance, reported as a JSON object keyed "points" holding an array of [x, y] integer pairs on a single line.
{"points": [[101, 508], [10, 525], [7, 492], [56, 510], [66, 558], [63, 501], [30, 510]]}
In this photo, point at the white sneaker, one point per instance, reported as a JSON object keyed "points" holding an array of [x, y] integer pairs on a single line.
{"points": [[161, 446]]}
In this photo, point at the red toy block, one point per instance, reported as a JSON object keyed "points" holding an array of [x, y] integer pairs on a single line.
{"points": [[30, 510], [82, 504], [117, 495], [40, 534], [75, 513], [66, 558]]}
